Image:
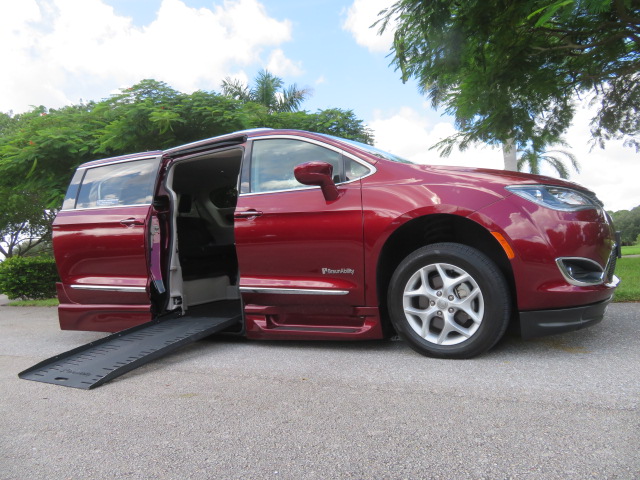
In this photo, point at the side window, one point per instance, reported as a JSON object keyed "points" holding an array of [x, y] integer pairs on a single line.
{"points": [[273, 161], [127, 183], [354, 170], [72, 192]]}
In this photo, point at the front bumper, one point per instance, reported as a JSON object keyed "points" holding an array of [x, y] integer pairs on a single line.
{"points": [[539, 323]]}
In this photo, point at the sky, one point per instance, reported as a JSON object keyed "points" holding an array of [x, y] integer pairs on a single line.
{"points": [[61, 52]]}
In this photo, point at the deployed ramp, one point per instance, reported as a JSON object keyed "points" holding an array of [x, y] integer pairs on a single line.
{"points": [[98, 362]]}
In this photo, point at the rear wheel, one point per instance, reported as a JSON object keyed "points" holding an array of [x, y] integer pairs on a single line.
{"points": [[449, 300]]}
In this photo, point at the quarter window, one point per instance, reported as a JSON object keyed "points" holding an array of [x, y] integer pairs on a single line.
{"points": [[353, 170], [127, 183]]}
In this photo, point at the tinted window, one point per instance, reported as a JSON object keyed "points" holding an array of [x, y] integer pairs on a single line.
{"points": [[127, 183], [273, 161]]}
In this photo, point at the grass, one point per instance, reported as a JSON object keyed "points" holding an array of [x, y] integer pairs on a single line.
{"points": [[49, 302], [631, 250], [628, 270]]}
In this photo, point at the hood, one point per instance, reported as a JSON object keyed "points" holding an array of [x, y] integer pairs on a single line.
{"points": [[497, 178]]}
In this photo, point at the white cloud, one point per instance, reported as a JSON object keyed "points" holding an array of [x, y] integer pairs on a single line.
{"points": [[612, 173], [281, 66], [410, 134], [361, 15], [54, 47]]}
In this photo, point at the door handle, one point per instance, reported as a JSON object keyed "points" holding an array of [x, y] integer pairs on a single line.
{"points": [[130, 222], [247, 213]]}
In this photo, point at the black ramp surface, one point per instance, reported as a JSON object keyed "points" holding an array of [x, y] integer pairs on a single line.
{"points": [[98, 362]]}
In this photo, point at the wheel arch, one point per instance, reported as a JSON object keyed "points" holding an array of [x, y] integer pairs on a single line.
{"points": [[436, 228]]}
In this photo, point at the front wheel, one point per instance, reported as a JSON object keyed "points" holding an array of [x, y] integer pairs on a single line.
{"points": [[449, 300]]}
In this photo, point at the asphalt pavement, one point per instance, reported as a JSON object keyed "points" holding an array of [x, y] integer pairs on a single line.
{"points": [[562, 407]]}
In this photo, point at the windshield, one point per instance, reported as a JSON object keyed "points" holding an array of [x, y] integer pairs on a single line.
{"points": [[373, 150]]}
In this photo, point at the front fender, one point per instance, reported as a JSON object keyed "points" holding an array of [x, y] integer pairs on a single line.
{"points": [[386, 208]]}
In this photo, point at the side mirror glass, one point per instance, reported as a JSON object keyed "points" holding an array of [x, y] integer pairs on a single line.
{"points": [[318, 174]]}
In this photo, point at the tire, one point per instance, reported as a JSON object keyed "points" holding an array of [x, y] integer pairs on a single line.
{"points": [[449, 300]]}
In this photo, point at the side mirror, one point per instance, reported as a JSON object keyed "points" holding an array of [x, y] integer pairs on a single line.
{"points": [[319, 174]]}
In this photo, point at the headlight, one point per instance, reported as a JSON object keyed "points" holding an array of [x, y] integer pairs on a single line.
{"points": [[556, 198]]}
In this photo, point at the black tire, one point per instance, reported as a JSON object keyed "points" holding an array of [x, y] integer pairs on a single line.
{"points": [[449, 300]]}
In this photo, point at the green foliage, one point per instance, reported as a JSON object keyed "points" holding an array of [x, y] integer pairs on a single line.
{"points": [[7, 123], [333, 121], [509, 70], [628, 270], [628, 223], [153, 116], [28, 277], [25, 222], [42, 148]]}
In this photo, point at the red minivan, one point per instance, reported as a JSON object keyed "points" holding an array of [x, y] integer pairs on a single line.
{"points": [[308, 236]]}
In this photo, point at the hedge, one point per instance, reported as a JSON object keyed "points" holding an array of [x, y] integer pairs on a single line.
{"points": [[28, 277]]}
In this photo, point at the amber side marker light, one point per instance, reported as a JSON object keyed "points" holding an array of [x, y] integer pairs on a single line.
{"points": [[505, 245]]}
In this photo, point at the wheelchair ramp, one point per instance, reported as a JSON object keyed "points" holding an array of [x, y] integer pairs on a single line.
{"points": [[98, 362]]}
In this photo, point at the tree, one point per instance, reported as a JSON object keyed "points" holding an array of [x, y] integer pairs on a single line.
{"points": [[628, 223], [153, 116], [268, 90], [535, 155], [340, 123], [7, 123], [40, 151], [508, 71], [25, 222]]}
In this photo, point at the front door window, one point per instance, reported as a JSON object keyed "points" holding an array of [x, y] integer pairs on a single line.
{"points": [[273, 161]]}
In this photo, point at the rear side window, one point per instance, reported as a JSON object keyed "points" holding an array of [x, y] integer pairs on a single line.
{"points": [[126, 183]]}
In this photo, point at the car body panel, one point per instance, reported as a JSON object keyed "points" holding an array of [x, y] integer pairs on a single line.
{"points": [[102, 262], [300, 241], [540, 235]]}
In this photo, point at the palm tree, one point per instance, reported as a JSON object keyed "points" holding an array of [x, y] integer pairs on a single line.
{"points": [[268, 90], [535, 155]]}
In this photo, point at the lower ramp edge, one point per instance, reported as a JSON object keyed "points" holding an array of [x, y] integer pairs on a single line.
{"points": [[97, 362]]}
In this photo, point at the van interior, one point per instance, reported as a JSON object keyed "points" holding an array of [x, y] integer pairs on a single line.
{"points": [[203, 263]]}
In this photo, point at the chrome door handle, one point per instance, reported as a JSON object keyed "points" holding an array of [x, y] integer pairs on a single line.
{"points": [[130, 222], [247, 213]]}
